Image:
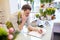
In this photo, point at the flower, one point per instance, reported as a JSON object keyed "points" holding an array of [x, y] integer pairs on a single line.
{"points": [[11, 30], [7, 31], [10, 36]]}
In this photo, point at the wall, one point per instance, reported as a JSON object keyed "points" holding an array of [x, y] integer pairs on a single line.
{"points": [[4, 6]]}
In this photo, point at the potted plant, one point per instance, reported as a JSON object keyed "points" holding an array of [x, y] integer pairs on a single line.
{"points": [[12, 33], [42, 1], [42, 12], [46, 1], [49, 12], [9, 24], [49, 1], [37, 15], [53, 17], [26, 1], [29, 0], [3, 34]]}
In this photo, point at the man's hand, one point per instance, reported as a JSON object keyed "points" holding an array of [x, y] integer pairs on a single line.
{"points": [[24, 18], [40, 31]]}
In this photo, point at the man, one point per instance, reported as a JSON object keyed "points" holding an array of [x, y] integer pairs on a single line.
{"points": [[24, 19]]}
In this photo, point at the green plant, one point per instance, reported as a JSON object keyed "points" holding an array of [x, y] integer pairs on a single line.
{"points": [[46, 1], [26, 0], [9, 24], [29, 0], [42, 13], [37, 15], [3, 34], [50, 11], [42, 1], [50, 1], [15, 34]]}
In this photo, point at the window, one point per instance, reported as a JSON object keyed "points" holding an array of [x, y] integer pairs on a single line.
{"points": [[13, 6], [35, 5]]}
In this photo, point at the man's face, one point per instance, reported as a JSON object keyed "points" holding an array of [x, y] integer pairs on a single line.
{"points": [[27, 12]]}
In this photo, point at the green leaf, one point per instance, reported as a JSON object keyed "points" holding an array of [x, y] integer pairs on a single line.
{"points": [[31, 1], [3, 34], [37, 15], [46, 1], [42, 1], [9, 24], [26, 0]]}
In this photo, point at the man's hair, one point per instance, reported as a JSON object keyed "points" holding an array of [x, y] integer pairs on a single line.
{"points": [[25, 7]]}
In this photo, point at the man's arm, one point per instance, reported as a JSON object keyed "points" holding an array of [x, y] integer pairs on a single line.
{"points": [[30, 28], [24, 18], [21, 25]]}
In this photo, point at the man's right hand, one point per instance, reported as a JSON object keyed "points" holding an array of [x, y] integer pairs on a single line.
{"points": [[40, 31], [24, 18]]}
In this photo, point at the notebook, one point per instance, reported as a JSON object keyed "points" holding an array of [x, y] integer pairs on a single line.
{"points": [[36, 34]]}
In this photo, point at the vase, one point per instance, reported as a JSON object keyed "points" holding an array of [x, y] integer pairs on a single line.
{"points": [[53, 17], [42, 17], [48, 17]]}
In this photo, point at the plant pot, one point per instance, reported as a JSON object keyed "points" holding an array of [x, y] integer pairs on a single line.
{"points": [[39, 22], [48, 17], [42, 17], [53, 17]]}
